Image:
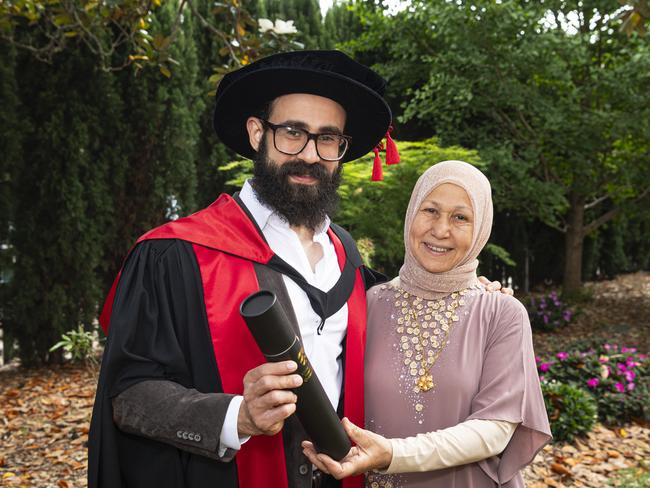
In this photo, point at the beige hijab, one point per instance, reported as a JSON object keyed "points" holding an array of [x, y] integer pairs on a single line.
{"points": [[413, 277]]}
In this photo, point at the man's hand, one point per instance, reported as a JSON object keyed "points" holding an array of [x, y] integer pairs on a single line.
{"points": [[495, 286], [268, 400], [372, 451]]}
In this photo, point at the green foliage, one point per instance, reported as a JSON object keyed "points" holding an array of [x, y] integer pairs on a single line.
{"points": [[78, 343], [547, 106], [631, 477], [618, 378], [571, 410]]}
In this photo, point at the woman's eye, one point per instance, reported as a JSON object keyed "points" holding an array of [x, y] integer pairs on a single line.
{"points": [[461, 218]]}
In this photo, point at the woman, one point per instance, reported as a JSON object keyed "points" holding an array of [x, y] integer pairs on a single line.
{"points": [[452, 391]]}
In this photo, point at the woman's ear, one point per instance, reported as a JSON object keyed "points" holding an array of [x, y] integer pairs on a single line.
{"points": [[255, 130]]}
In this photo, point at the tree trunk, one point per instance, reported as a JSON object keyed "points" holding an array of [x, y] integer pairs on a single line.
{"points": [[573, 244]]}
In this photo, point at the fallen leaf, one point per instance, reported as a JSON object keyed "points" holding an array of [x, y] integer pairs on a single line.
{"points": [[561, 469]]}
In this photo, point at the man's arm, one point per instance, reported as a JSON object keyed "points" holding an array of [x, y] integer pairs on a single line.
{"points": [[195, 422], [168, 412]]}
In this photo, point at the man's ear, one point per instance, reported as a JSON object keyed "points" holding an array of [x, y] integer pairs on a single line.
{"points": [[255, 130]]}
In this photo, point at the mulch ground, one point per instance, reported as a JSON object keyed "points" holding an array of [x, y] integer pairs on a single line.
{"points": [[45, 412]]}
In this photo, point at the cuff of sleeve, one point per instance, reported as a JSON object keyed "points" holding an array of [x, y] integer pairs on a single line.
{"points": [[229, 438], [401, 455]]}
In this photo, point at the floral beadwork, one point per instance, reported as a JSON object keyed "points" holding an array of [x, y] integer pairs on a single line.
{"points": [[423, 327]]}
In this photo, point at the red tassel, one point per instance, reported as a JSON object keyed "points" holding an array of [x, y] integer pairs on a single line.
{"points": [[377, 172], [392, 155]]}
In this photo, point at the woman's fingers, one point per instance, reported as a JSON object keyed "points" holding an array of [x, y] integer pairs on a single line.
{"points": [[358, 435], [312, 455], [333, 467]]}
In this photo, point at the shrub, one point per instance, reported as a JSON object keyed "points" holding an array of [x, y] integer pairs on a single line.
{"points": [[618, 378], [571, 410], [549, 313], [78, 343]]}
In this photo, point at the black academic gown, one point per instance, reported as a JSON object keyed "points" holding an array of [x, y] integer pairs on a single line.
{"points": [[159, 331]]}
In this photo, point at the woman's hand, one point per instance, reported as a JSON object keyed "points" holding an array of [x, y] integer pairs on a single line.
{"points": [[372, 451]]}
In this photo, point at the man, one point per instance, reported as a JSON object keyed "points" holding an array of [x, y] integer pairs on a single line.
{"points": [[185, 398]]}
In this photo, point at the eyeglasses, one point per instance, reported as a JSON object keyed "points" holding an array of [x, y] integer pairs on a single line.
{"points": [[292, 140]]}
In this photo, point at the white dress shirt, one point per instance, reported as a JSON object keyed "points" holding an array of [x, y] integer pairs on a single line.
{"points": [[322, 350]]}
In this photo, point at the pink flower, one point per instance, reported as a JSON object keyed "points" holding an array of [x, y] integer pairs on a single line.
{"points": [[630, 386], [538, 359], [562, 355], [643, 357], [544, 367], [619, 387], [630, 363], [630, 375], [593, 382], [607, 347], [621, 367], [603, 359], [628, 349]]}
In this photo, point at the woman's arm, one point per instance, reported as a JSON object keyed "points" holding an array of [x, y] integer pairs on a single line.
{"points": [[467, 442]]}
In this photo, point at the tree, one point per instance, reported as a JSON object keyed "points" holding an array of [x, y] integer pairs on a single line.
{"points": [[342, 23], [545, 92], [59, 199]]}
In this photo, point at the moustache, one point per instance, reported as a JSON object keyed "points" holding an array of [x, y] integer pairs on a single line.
{"points": [[300, 168]]}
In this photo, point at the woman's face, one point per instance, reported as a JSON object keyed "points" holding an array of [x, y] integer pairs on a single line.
{"points": [[441, 232]]}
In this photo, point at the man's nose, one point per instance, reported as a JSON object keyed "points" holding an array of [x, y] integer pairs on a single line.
{"points": [[309, 154]]}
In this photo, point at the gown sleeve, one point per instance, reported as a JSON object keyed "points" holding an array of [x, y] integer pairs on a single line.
{"points": [[509, 390], [158, 346]]}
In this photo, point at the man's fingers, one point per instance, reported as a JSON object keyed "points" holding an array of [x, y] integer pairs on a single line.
{"points": [[266, 369], [269, 383], [495, 285]]}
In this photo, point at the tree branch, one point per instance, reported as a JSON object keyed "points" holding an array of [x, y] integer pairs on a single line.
{"points": [[607, 216], [215, 31], [596, 202]]}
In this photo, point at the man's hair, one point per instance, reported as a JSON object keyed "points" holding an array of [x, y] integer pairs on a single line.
{"points": [[265, 111]]}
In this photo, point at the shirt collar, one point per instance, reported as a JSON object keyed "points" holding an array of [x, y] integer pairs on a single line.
{"points": [[263, 214]]}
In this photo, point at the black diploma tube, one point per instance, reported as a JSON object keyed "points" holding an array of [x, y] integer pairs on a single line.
{"points": [[270, 327]]}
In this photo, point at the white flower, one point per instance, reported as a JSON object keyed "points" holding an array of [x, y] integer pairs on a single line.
{"points": [[264, 25], [284, 27]]}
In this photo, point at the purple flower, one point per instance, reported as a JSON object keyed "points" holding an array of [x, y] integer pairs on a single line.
{"points": [[628, 349], [630, 386], [562, 355], [545, 319], [544, 367], [622, 368], [538, 359], [630, 363], [619, 387], [630, 375], [567, 315], [593, 382], [553, 294]]}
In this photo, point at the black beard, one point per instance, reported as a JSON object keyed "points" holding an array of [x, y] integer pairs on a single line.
{"points": [[299, 205]]}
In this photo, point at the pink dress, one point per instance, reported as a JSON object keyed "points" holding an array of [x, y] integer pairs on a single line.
{"points": [[431, 364]]}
